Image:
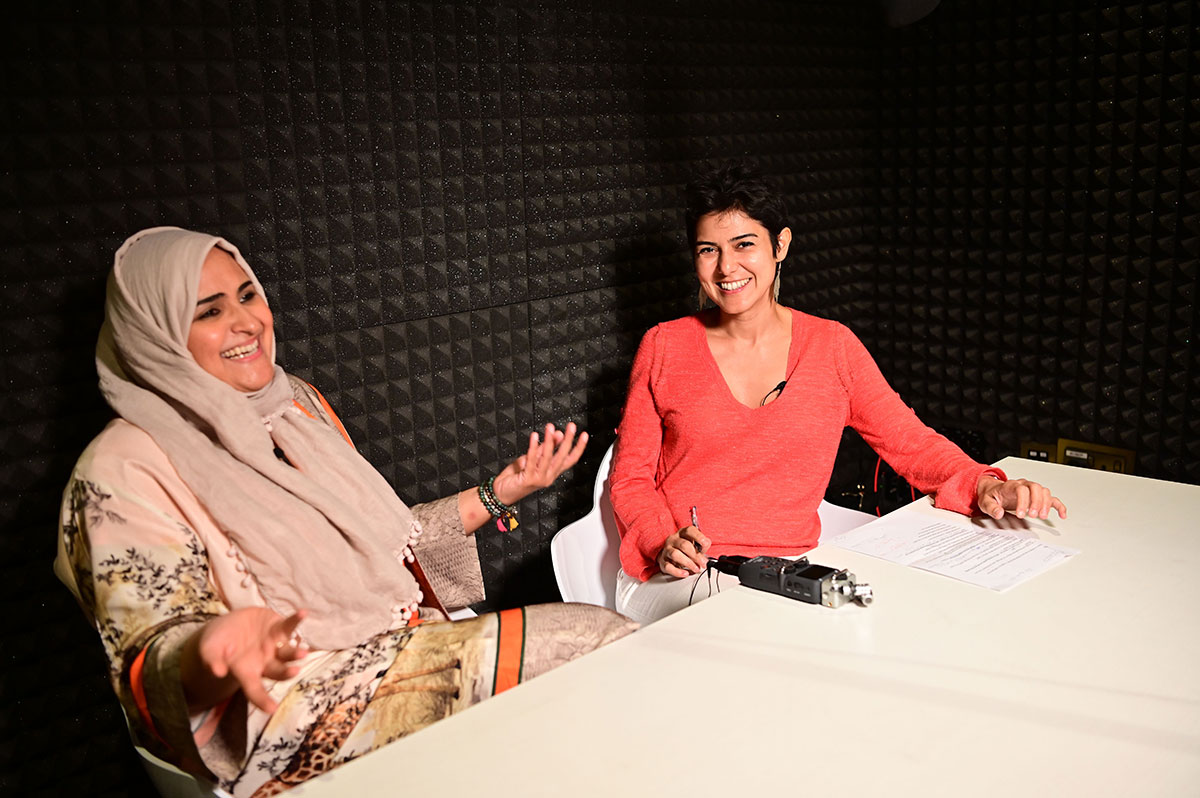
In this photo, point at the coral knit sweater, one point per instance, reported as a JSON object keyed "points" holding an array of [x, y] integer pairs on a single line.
{"points": [[758, 474]]}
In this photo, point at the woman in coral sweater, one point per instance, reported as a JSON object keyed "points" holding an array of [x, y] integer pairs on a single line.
{"points": [[734, 416]]}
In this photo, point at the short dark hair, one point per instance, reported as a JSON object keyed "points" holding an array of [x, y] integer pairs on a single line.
{"points": [[735, 187]]}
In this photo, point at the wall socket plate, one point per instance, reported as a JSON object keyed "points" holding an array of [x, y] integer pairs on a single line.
{"points": [[1046, 452], [1094, 455]]}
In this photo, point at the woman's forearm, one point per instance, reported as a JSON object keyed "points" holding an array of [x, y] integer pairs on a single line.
{"points": [[471, 510]]}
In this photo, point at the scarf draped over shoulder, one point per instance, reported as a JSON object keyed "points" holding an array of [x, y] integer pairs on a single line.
{"points": [[324, 533]]}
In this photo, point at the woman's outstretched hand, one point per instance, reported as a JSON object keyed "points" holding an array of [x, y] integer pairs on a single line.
{"points": [[237, 651], [1022, 498], [547, 457]]}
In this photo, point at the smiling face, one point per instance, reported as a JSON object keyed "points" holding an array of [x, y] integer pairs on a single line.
{"points": [[232, 335], [735, 260]]}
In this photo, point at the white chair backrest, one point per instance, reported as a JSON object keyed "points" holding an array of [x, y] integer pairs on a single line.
{"points": [[835, 519], [585, 553], [170, 781]]}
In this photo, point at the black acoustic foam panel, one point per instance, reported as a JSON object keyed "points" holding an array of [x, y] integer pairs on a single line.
{"points": [[1038, 225]]}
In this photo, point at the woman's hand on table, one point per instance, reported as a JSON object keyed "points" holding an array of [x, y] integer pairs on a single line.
{"points": [[547, 457], [683, 553], [1022, 498], [237, 651]]}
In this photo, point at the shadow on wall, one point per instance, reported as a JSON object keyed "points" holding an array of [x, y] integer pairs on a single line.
{"points": [[59, 662], [651, 283]]}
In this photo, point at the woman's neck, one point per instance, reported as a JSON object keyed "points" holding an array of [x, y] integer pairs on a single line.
{"points": [[754, 325]]}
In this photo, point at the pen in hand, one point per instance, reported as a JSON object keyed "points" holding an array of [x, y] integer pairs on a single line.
{"points": [[696, 523]]}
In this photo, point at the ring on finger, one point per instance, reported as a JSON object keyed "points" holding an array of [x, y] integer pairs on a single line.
{"points": [[293, 641]]}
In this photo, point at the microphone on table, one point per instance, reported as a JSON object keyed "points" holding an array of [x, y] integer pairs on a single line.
{"points": [[797, 579]]}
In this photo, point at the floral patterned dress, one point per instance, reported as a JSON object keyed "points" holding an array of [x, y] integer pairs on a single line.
{"points": [[150, 566]]}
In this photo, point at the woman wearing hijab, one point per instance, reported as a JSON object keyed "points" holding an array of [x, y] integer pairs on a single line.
{"points": [[268, 605]]}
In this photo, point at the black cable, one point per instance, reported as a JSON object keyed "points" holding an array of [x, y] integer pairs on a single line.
{"points": [[778, 389], [707, 572], [692, 595]]}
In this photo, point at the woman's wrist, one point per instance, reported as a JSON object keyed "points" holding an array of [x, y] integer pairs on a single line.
{"points": [[471, 511], [504, 492], [490, 496], [505, 513], [201, 688], [985, 480]]}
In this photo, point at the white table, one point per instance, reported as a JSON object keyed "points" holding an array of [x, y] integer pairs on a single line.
{"points": [[1084, 681]]}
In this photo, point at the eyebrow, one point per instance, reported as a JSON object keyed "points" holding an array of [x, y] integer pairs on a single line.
{"points": [[220, 294], [735, 238]]}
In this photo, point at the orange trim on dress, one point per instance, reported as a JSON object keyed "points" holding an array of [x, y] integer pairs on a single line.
{"points": [[138, 688], [304, 409], [510, 644], [333, 415]]}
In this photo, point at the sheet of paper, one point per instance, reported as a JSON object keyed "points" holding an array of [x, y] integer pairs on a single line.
{"points": [[994, 559]]}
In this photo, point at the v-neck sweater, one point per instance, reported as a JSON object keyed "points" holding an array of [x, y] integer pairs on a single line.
{"points": [[757, 474]]}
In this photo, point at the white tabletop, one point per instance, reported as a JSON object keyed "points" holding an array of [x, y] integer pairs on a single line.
{"points": [[1083, 681]]}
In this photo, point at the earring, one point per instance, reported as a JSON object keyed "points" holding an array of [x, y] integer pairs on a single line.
{"points": [[778, 279], [701, 298]]}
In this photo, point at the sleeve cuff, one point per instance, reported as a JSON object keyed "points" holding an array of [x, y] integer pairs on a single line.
{"points": [[959, 493], [448, 555], [168, 732]]}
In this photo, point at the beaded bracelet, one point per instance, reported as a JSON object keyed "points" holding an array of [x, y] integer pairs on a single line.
{"points": [[487, 494], [505, 515]]}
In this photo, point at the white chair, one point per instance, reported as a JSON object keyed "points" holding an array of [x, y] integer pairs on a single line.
{"points": [[836, 519], [585, 552], [170, 781]]}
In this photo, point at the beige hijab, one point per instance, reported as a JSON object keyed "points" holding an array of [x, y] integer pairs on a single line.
{"points": [[329, 534]]}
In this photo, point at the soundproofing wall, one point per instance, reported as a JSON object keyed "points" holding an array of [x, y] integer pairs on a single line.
{"points": [[1039, 225]]}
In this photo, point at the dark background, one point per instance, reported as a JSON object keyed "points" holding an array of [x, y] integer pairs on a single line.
{"points": [[466, 214]]}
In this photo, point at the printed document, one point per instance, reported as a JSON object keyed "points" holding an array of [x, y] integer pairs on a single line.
{"points": [[993, 558]]}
